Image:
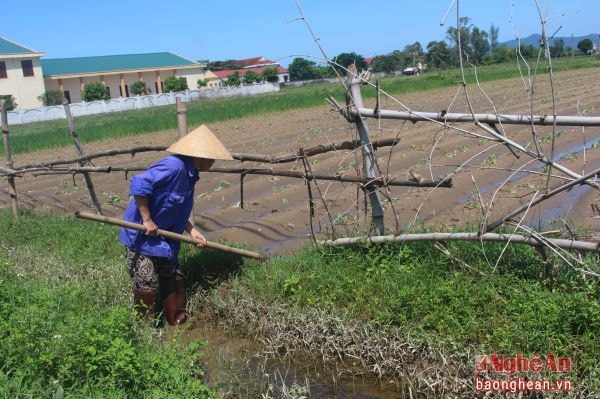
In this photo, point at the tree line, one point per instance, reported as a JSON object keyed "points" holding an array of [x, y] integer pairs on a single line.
{"points": [[478, 46]]}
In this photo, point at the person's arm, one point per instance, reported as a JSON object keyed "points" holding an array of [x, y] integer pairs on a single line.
{"points": [[142, 204], [195, 233]]}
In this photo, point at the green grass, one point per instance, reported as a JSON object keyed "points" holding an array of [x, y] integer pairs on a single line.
{"points": [[418, 289], [66, 324], [52, 134]]}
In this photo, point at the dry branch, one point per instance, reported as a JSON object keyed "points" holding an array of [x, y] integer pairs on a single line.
{"points": [[447, 183], [311, 151], [109, 153], [320, 149], [86, 175], [489, 237]]}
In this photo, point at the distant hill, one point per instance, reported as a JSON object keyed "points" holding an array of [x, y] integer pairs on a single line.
{"points": [[535, 40]]}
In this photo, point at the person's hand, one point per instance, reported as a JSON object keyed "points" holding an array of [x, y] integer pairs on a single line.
{"points": [[151, 227], [195, 234]]}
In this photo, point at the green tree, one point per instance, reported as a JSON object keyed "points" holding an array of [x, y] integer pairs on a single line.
{"points": [[585, 46], [270, 75], [303, 69], [343, 60], [479, 44], [95, 91], [234, 79], [9, 101], [414, 48], [493, 36], [201, 83], [173, 83], [223, 65], [251, 77], [383, 63], [51, 97], [395, 61], [139, 88], [414, 53], [322, 71], [438, 54], [499, 54], [528, 51], [465, 39], [557, 50]]}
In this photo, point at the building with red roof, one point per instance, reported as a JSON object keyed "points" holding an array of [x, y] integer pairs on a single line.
{"points": [[256, 65]]}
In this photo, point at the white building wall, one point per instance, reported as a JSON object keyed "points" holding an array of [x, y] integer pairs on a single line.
{"points": [[113, 82], [25, 90], [191, 75]]}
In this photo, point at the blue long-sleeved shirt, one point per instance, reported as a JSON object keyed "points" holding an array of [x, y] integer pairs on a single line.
{"points": [[169, 187]]}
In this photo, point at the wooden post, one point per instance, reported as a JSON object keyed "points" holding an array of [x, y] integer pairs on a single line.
{"points": [[12, 190], [182, 125], [86, 175], [182, 130], [242, 175], [369, 161], [122, 85], [158, 83]]}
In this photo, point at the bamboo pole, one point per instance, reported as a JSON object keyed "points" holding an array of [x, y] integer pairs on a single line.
{"points": [[182, 124], [168, 234], [489, 237], [417, 116], [378, 181], [369, 161], [12, 190], [86, 175]]}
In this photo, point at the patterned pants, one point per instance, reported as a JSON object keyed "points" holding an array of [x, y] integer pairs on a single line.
{"points": [[146, 270]]}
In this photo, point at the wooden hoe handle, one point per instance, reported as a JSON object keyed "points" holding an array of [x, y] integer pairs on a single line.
{"points": [[168, 234]]}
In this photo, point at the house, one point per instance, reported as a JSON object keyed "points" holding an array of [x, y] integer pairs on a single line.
{"points": [[20, 73], [118, 72], [25, 76], [211, 79], [282, 73], [255, 64]]}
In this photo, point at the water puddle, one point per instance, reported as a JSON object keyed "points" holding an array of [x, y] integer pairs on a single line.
{"points": [[565, 204], [237, 367], [561, 210]]}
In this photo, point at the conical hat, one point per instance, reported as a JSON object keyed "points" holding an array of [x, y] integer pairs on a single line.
{"points": [[201, 143]]}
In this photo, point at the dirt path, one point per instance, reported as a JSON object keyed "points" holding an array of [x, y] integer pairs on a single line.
{"points": [[275, 215]]}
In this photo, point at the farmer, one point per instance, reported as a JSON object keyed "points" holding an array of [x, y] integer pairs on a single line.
{"points": [[163, 197]]}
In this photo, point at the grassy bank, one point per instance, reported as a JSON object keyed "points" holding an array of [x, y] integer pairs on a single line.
{"points": [[66, 323], [51, 134], [524, 307]]}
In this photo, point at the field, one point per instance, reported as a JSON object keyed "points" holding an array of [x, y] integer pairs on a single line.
{"points": [[407, 313], [275, 213]]}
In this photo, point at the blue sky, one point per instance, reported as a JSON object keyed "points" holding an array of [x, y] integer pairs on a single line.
{"points": [[230, 29]]}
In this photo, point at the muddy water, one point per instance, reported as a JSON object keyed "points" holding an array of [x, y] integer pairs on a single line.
{"points": [[239, 367]]}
